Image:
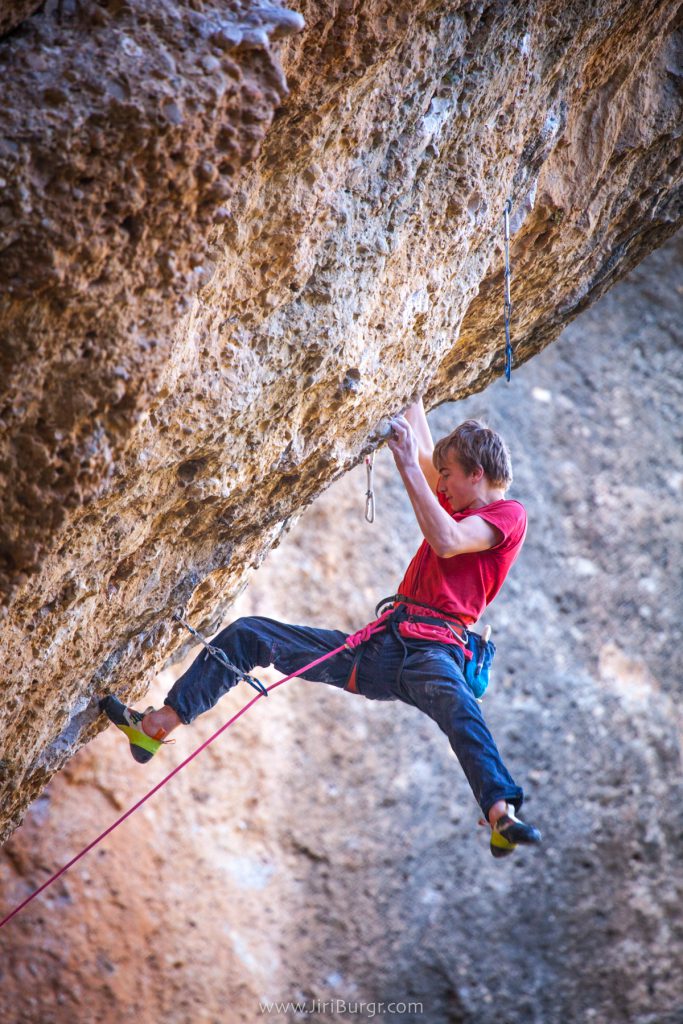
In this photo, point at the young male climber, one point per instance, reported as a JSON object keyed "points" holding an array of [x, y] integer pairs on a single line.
{"points": [[472, 535]]}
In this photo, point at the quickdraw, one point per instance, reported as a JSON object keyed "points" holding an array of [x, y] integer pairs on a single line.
{"points": [[221, 657], [507, 210], [370, 493]]}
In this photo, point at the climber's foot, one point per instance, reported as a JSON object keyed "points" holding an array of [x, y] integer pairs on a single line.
{"points": [[143, 747], [509, 832]]}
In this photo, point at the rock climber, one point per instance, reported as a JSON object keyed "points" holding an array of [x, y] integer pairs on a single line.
{"points": [[472, 535]]}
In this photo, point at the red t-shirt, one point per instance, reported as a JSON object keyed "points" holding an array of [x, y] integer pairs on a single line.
{"points": [[463, 584]]}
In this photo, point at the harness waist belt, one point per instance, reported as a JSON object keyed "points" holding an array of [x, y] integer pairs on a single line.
{"points": [[401, 614], [444, 618]]}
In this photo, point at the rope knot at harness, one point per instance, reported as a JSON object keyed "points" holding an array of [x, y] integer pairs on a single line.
{"points": [[356, 639], [367, 632]]}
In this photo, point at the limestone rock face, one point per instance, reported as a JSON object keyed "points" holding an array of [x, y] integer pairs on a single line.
{"points": [[212, 292], [325, 847], [13, 12]]}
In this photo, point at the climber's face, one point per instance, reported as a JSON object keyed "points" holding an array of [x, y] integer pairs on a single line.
{"points": [[458, 486]]}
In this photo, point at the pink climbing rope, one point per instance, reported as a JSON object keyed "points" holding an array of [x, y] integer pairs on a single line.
{"points": [[352, 641]]}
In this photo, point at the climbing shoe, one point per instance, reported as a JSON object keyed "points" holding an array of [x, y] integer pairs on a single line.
{"points": [[509, 832], [142, 747]]}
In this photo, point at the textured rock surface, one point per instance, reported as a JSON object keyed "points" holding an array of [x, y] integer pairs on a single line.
{"points": [[326, 847], [13, 12], [151, 458]]}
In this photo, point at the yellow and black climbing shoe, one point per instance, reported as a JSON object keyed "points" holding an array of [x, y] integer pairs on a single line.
{"points": [[509, 833], [142, 747]]}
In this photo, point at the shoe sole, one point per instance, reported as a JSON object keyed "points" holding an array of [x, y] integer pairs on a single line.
{"points": [[500, 847], [521, 834], [517, 833], [142, 747]]}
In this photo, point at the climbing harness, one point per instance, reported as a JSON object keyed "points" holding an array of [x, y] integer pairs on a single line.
{"points": [[221, 657], [507, 210], [397, 612], [370, 493], [476, 668]]}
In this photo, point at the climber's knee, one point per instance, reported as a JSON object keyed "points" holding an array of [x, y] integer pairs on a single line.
{"points": [[245, 626]]}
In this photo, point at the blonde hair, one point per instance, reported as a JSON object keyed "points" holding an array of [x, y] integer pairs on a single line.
{"points": [[475, 445]]}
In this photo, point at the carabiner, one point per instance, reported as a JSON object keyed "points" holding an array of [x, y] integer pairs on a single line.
{"points": [[369, 494]]}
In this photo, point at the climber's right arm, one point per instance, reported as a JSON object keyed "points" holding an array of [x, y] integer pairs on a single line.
{"points": [[415, 414]]}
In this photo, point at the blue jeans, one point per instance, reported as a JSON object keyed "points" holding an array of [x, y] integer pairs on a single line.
{"points": [[430, 679]]}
